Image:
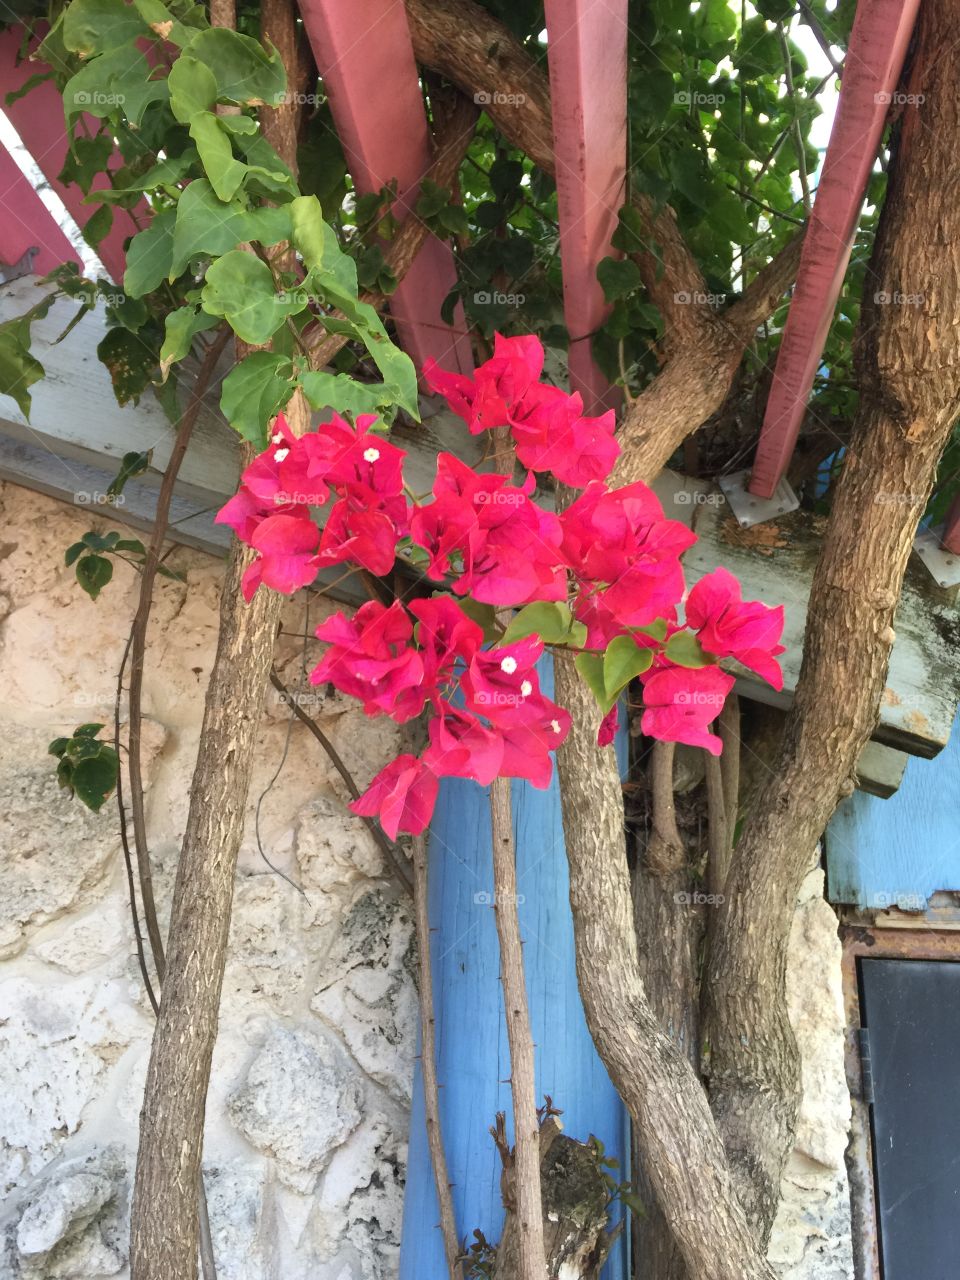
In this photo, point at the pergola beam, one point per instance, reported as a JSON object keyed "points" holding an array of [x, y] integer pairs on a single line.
{"points": [[871, 70], [365, 58], [587, 51]]}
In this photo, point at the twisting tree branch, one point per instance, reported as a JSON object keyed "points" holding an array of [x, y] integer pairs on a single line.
{"points": [[428, 1062], [909, 381], [465, 43], [138, 639], [454, 118]]}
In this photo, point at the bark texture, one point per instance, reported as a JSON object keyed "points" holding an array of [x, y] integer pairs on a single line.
{"points": [[678, 1142], [909, 374], [669, 932], [522, 1190], [575, 1207], [702, 348], [428, 1062], [164, 1225], [164, 1228]]}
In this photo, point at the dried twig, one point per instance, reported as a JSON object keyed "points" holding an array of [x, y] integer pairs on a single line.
{"points": [[385, 846], [428, 1062]]}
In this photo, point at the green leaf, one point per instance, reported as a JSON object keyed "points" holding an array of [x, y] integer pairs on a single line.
{"points": [[98, 226], [130, 362], [182, 326], [345, 394], [590, 666], [246, 73], [657, 630], [162, 21], [97, 26], [267, 176], [551, 620], [86, 160], [618, 277], [149, 255], [94, 778], [622, 662], [484, 615], [193, 88], [225, 172], [115, 84], [432, 199], [254, 392], [684, 649], [57, 747], [30, 83], [205, 225], [240, 288], [132, 464], [73, 553], [93, 574], [316, 240], [19, 369], [321, 162], [87, 730], [630, 232]]}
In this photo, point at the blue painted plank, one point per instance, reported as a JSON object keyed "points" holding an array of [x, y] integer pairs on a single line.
{"points": [[897, 852], [473, 1056]]}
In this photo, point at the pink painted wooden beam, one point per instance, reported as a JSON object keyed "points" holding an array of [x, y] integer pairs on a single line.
{"points": [[950, 539], [871, 70], [38, 119], [365, 57], [25, 223], [587, 58]]}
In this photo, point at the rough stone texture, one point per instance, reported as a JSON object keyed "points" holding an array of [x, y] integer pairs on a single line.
{"points": [[307, 1119], [75, 1224], [367, 990], [56, 854], [308, 1110], [811, 1236], [300, 1100]]}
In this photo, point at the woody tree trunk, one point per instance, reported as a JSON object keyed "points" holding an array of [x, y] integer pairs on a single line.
{"points": [[909, 375], [164, 1225]]}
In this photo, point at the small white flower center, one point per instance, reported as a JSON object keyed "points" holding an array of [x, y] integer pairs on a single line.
{"points": [[280, 455], [509, 665], [555, 726], [526, 688], [277, 438], [371, 455]]}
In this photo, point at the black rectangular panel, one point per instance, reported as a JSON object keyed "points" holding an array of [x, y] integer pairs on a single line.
{"points": [[911, 1009]]}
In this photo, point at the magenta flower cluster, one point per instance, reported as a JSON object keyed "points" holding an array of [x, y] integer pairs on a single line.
{"points": [[609, 563]]}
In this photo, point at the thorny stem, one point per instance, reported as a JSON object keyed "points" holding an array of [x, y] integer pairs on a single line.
{"points": [[526, 1154], [428, 1061]]}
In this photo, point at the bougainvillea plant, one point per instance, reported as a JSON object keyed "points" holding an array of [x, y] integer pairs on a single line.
{"points": [[602, 578]]}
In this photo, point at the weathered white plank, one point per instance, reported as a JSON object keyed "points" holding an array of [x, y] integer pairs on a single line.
{"points": [[775, 563]]}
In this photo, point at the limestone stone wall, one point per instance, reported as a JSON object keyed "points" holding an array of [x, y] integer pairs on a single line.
{"points": [[308, 1108], [308, 1114], [811, 1237]]}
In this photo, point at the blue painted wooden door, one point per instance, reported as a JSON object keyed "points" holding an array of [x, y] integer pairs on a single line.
{"points": [[473, 1057], [897, 852]]}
